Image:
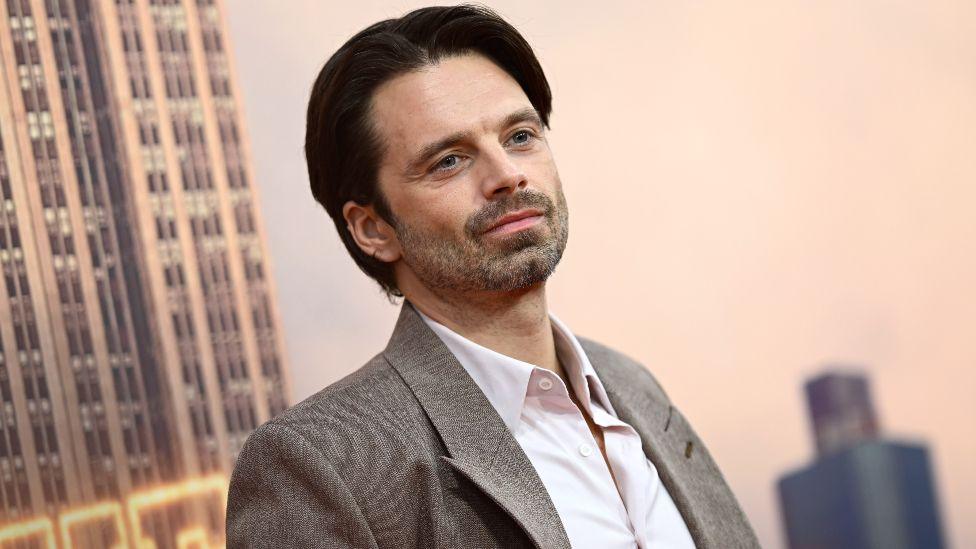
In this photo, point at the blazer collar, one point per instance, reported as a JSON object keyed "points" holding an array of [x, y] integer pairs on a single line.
{"points": [[483, 449], [480, 445]]}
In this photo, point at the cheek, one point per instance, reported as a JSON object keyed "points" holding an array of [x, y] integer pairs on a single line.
{"points": [[542, 169], [440, 211]]}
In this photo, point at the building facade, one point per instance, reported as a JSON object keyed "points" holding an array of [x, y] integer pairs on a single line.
{"points": [[140, 340], [873, 495], [861, 491]]}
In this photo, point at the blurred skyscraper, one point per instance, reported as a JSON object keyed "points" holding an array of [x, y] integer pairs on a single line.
{"points": [[139, 332], [841, 411], [861, 492]]}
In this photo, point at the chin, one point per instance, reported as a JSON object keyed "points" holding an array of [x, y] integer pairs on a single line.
{"points": [[529, 267]]}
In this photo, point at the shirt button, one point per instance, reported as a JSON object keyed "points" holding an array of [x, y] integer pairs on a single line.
{"points": [[545, 384], [585, 450]]}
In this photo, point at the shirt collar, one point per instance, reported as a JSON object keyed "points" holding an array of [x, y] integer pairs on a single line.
{"points": [[504, 380], [578, 367]]}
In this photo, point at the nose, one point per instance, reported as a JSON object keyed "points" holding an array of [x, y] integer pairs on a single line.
{"points": [[502, 174]]}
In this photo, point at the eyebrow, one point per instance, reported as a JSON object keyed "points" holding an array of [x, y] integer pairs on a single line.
{"points": [[430, 150]]}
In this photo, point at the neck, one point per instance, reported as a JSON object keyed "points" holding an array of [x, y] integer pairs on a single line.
{"points": [[515, 324]]}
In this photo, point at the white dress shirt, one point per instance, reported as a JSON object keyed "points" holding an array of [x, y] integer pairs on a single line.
{"points": [[534, 403]]}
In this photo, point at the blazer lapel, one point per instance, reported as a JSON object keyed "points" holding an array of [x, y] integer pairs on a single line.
{"points": [[686, 469], [480, 445]]}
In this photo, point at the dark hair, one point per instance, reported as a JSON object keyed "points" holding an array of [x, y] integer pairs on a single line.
{"points": [[341, 147]]}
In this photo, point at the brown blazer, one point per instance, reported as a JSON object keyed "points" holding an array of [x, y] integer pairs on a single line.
{"points": [[408, 452]]}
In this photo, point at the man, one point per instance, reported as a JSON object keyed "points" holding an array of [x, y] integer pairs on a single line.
{"points": [[485, 422]]}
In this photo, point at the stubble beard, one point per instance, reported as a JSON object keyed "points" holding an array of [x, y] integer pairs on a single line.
{"points": [[473, 263]]}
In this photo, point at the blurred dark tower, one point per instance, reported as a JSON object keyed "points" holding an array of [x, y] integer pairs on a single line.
{"points": [[861, 491], [841, 411]]}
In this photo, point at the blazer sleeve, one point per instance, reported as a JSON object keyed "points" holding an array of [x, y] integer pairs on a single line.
{"points": [[285, 493]]}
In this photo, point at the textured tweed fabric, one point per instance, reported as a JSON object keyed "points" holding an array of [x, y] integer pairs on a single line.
{"points": [[408, 452]]}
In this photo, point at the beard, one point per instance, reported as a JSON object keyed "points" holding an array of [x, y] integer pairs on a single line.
{"points": [[479, 262]]}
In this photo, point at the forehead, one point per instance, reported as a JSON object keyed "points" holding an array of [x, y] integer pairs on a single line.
{"points": [[460, 93]]}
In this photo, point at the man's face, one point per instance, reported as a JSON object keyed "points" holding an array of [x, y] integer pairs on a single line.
{"points": [[469, 177]]}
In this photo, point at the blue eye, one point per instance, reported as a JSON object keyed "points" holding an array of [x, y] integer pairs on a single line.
{"points": [[522, 138], [448, 162]]}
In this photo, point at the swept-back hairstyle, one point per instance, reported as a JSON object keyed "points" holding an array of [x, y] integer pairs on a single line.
{"points": [[342, 149]]}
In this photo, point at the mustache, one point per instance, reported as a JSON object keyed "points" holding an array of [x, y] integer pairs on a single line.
{"points": [[484, 218]]}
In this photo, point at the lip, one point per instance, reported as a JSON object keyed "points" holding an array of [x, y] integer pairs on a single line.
{"points": [[515, 221]]}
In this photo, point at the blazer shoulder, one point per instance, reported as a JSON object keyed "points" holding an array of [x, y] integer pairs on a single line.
{"points": [[366, 426], [370, 401], [620, 369]]}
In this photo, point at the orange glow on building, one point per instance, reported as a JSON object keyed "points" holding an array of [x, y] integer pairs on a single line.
{"points": [[97, 512], [28, 529], [135, 506], [193, 538], [142, 501]]}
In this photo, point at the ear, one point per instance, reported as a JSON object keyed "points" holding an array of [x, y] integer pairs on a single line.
{"points": [[374, 236]]}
